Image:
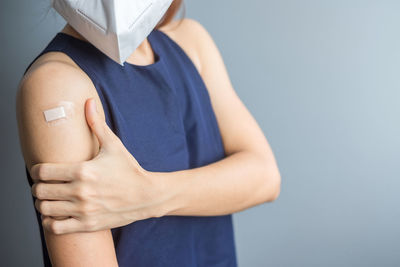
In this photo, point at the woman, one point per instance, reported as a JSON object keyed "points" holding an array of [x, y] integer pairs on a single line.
{"points": [[151, 158]]}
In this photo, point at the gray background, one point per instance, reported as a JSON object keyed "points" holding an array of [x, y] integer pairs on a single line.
{"points": [[321, 78]]}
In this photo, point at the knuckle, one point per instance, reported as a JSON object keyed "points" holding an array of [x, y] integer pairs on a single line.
{"points": [[84, 193], [84, 173], [89, 210], [90, 225], [80, 172], [54, 227], [80, 193], [51, 225], [92, 123], [84, 209]]}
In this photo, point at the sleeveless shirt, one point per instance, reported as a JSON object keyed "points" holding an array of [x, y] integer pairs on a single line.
{"points": [[163, 115]]}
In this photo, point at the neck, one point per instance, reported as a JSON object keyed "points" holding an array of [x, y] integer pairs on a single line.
{"points": [[143, 55], [71, 31]]}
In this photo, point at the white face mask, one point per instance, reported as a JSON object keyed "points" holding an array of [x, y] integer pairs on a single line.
{"points": [[115, 27]]}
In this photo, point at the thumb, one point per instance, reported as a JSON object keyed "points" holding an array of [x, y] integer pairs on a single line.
{"points": [[97, 124]]}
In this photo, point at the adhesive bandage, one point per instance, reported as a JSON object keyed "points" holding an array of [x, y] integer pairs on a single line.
{"points": [[63, 111], [54, 114]]}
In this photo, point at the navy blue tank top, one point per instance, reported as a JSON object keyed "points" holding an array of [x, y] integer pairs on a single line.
{"points": [[163, 115]]}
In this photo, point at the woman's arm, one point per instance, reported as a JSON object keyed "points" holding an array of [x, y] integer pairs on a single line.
{"points": [[51, 81], [249, 175]]}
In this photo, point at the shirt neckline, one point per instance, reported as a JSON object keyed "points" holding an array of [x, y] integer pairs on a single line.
{"points": [[150, 38]]}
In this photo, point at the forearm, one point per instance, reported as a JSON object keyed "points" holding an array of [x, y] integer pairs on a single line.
{"points": [[235, 183]]}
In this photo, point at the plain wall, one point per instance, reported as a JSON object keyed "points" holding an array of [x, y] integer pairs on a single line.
{"points": [[322, 80]]}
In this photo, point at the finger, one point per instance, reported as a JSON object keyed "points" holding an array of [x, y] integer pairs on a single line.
{"points": [[54, 217], [56, 208], [70, 225], [97, 124], [53, 171], [45, 191]]}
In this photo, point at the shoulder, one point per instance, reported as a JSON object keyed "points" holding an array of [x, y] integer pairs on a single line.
{"points": [[51, 79], [54, 76], [193, 37], [184, 27]]}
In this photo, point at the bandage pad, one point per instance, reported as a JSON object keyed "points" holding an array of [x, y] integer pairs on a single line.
{"points": [[54, 114], [59, 113]]}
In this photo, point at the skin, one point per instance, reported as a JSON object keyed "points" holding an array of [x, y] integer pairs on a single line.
{"points": [[73, 182]]}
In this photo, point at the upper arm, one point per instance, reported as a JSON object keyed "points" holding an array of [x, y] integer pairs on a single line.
{"points": [[46, 86], [239, 130]]}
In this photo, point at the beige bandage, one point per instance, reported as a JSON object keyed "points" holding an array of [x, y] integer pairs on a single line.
{"points": [[54, 114], [63, 111]]}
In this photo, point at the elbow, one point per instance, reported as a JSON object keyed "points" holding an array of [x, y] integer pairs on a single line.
{"points": [[272, 181], [277, 188], [274, 186], [269, 187], [271, 177]]}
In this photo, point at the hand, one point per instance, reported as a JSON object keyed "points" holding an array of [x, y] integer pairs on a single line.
{"points": [[108, 191]]}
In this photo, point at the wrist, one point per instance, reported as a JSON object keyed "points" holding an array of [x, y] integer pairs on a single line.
{"points": [[171, 187]]}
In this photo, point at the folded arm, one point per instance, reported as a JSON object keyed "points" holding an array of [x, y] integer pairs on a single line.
{"points": [[249, 175]]}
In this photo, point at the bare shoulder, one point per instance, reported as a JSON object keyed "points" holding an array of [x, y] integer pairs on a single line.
{"points": [[54, 80], [54, 76], [192, 37]]}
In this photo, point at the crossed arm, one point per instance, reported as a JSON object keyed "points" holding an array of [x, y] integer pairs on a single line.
{"points": [[248, 176]]}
